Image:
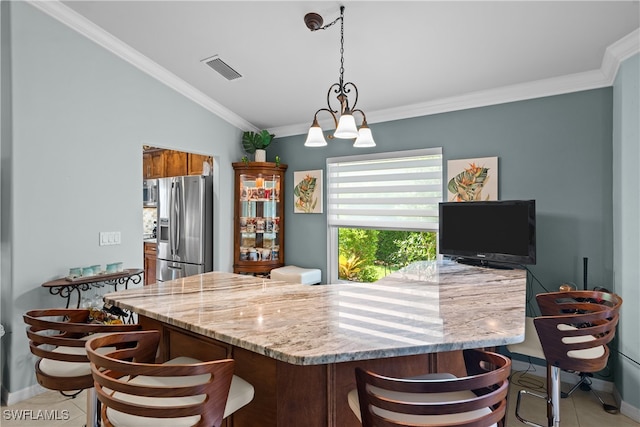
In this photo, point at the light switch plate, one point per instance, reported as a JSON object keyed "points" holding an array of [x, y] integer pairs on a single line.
{"points": [[110, 238]]}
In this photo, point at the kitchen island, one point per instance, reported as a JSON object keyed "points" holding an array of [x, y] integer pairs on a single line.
{"points": [[298, 344]]}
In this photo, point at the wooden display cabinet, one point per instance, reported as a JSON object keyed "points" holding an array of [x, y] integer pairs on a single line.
{"points": [[258, 217]]}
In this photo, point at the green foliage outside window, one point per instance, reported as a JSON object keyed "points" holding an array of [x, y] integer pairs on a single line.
{"points": [[416, 246], [359, 242], [349, 268], [357, 249], [368, 255]]}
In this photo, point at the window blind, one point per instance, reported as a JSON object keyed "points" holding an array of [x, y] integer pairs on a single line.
{"points": [[392, 191]]}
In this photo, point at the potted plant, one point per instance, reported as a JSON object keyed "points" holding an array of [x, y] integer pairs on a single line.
{"points": [[253, 142]]}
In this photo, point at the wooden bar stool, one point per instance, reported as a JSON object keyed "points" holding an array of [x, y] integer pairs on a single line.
{"points": [[58, 337], [477, 400], [573, 330], [136, 391]]}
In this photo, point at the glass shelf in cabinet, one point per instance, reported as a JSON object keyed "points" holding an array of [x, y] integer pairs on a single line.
{"points": [[266, 233], [264, 200]]}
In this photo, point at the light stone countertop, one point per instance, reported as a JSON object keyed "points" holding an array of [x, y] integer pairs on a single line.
{"points": [[424, 308]]}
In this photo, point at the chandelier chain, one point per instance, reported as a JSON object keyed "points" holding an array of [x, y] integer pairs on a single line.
{"points": [[324, 27], [341, 47]]}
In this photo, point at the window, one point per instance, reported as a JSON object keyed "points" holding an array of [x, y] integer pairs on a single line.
{"points": [[382, 191]]}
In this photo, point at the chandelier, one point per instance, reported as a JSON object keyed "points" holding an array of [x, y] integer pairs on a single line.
{"points": [[343, 116]]}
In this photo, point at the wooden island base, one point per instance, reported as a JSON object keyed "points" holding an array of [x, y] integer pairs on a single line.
{"points": [[295, 395]]}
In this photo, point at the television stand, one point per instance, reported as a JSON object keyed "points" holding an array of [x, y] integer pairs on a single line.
{"points": [[484, 263]]}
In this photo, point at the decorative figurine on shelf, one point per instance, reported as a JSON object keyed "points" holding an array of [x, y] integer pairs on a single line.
{"points": [[245, 160], [277, 161]]}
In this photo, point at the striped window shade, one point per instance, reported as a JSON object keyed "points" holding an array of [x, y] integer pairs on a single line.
{"points": [[385, 191]]}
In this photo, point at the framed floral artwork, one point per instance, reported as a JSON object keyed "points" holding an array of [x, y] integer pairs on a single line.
{"points": [[307, 191], [472, 179]]}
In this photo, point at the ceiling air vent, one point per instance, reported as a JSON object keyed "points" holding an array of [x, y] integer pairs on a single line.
{"points": [[222, 67]]}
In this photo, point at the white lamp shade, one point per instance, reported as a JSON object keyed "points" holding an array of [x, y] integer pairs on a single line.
{"points": [[346, 127], [315, 137], [365, 138]]}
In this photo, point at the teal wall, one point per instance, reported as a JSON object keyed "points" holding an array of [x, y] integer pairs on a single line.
{"points": [[77, 117], [626, 220], [556, 150]]}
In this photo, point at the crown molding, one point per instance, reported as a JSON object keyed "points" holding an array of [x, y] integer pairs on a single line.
{"points": [[79, 23], [614, 55], [617, 52], [502, 95]]}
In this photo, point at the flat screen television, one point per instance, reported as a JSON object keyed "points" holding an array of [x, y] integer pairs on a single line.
{"points": [[489, 232]]}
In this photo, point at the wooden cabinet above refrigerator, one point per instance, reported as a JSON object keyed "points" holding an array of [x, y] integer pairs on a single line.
{"points": [[162, 163]]}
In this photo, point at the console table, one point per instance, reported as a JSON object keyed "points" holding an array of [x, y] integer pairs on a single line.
{"points": [[298, 345], [65, 287]]}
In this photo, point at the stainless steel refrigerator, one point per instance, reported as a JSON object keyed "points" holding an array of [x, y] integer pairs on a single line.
{"points": [[185, 226]]}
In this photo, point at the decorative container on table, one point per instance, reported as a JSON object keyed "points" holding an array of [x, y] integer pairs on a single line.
{"points": [[258, 217]]}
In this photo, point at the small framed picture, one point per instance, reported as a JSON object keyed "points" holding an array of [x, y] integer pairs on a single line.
{"points": [[472, 179], [307, 191]]}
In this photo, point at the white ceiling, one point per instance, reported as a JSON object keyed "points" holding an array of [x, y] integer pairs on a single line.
{"points": [[407, 58]]}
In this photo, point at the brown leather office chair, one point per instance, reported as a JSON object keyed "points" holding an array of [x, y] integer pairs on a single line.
{"points": [[135, 391], [477, 400], [574, 330], [58, 337]]}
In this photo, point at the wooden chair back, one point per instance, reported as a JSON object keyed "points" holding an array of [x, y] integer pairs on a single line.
{"points": [[483, 390], [573, 322], [55, 333], [115, 376]]}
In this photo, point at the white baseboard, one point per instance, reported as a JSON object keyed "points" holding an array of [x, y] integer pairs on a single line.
{"points": [[24, 394], [626, 409], [599, 385]]}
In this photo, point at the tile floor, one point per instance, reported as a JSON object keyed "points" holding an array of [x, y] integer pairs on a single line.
{"points": [[60, 411], [582, 409]]}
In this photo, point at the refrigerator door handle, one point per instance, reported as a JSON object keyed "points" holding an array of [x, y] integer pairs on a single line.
{"points": [[172, 219], [178, 204], [171, 267]]}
